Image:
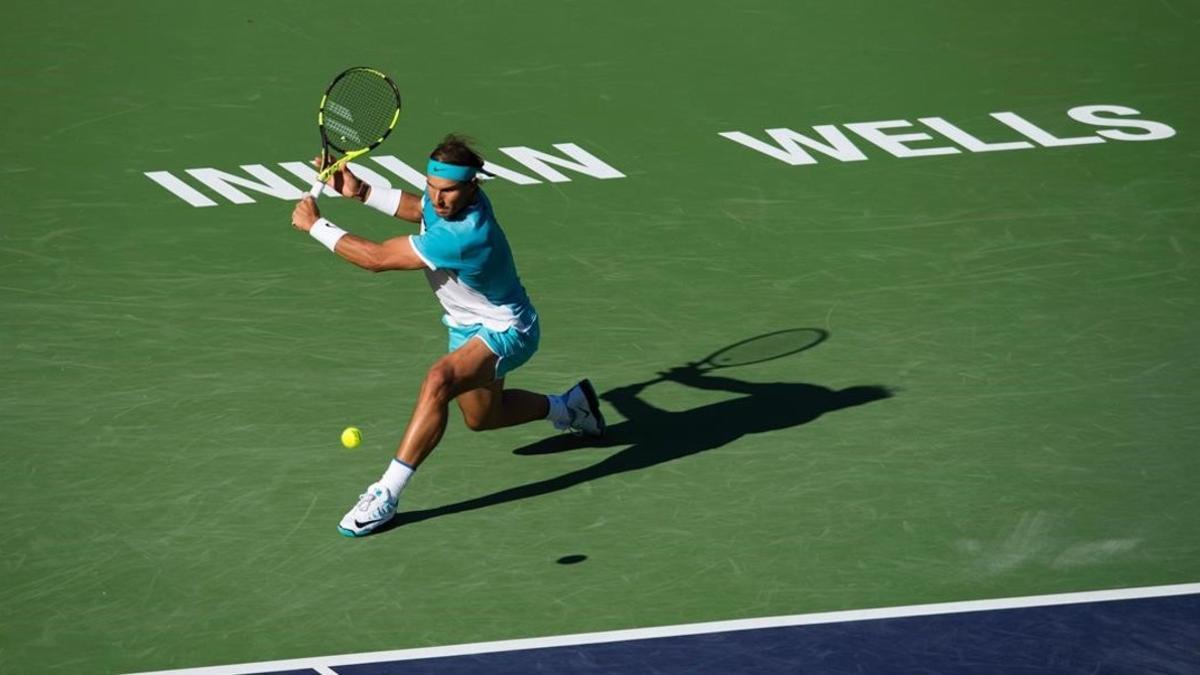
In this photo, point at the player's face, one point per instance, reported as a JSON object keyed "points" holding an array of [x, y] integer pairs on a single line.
{"points": [[447, 196]]}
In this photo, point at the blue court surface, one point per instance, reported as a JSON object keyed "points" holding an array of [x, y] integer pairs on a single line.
{"points": [[1145, 630]]}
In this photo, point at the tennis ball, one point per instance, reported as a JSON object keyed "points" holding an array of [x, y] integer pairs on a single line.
{"points": [[351, 437]]}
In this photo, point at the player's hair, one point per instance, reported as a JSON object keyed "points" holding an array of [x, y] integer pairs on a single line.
{"points": [[456, 149]]}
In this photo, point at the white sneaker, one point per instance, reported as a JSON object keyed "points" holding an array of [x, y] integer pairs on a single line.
{"points": [[375, 507], [584, 410]]}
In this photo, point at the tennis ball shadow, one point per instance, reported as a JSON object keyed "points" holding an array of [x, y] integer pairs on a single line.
{"points": [[573, 559]]}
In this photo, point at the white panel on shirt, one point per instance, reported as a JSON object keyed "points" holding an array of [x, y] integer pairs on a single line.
{"points": [[464, 305]]}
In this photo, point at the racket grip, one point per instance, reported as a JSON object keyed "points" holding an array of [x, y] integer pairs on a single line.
{"points": [[315, 191]]}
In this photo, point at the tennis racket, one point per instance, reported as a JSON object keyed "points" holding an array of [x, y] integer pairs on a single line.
{"points": [[359, 109]]}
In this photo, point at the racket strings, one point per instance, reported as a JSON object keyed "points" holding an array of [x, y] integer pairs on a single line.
{"points": [[359, 110]]}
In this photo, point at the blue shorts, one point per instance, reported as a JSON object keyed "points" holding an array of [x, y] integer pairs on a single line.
{"points": [[512, 346]]}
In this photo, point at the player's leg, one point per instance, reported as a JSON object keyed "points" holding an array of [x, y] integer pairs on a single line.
{"points": [[474, 370], [469, 367], [494, 407]]}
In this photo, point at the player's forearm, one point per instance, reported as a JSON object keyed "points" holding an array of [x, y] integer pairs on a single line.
{"points": [[396, 253], [361, 252]]}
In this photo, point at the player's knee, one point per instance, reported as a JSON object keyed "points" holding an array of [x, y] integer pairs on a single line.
{"points": [[438, 385]]}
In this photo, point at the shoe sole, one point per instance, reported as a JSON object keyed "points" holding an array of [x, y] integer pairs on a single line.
{"points": [[594, 404]]}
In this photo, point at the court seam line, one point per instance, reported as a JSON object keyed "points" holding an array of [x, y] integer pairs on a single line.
{"points": [[683, 630]]}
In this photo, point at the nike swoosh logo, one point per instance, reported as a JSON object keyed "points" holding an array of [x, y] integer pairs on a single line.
{"points": [[359, 523]]}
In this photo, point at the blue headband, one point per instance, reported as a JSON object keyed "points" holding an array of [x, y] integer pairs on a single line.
{"points": [[454, 172]]}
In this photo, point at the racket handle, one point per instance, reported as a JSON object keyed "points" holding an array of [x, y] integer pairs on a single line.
{"points": [[316, 189]]}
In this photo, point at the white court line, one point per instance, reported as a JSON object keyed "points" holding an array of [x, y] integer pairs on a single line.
{"points": [[325, 663]]}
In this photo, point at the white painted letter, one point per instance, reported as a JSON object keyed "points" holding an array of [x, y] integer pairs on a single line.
{"points": [[508, 174], [1043, 137], [417, 179], [306, 173], [789, 151], [272, 185], [309, 174], [179, 188], [894, 143], [967, 140], [405, 172], [1087, 114], [539, 162]]}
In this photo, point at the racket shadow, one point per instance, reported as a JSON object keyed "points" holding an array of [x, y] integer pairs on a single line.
{"points": [[650, 436]]}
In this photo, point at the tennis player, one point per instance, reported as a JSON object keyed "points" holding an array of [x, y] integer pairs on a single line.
{"points": [[493, 325]]}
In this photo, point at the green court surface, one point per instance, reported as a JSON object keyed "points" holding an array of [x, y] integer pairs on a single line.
{"points": [[176, 377]]}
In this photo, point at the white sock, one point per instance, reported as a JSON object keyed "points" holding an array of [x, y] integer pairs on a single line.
{"points": [[558, 409], [396, 477]]}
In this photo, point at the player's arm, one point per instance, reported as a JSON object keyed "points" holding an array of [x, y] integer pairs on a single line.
{"points": [[408, 208], [395, 203], [394, 254]]}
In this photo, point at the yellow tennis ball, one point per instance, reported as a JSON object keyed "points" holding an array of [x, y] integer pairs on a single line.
{"points": [[351, 437]]}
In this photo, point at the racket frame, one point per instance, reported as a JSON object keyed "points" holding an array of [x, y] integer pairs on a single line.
{"points": [[348, 155]]}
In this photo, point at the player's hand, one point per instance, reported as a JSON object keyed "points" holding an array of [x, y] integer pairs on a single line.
{"points": [[343, 180], [305, 214]]}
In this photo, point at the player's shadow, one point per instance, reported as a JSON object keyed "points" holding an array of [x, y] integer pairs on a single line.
{"points": [[654, 436]]}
